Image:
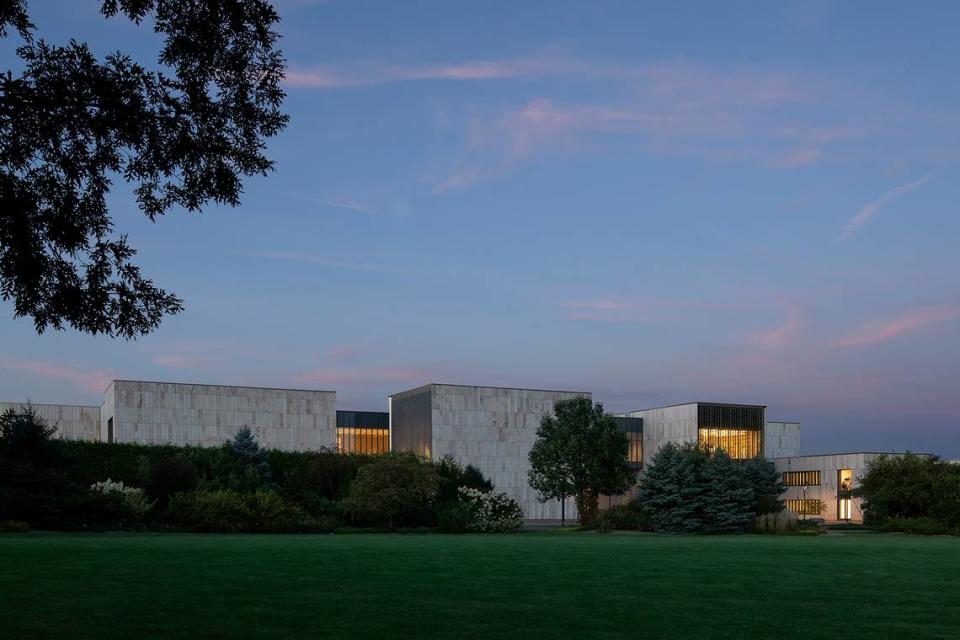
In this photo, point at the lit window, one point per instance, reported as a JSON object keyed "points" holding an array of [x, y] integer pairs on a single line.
{"points": [[801, 478], [805, 507], [740, 444], [738, 430], [845, 479], [844, 509], [635, 452], [362, 440]]}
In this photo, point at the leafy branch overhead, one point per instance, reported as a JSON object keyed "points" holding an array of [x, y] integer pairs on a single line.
{"points": [[182, 135]]}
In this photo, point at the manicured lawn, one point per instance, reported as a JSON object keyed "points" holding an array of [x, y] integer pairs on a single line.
{"points": [[531, 585]]}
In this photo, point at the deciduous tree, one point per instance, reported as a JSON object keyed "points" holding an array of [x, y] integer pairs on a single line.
{"points": [[579, 451], [182, 133]]}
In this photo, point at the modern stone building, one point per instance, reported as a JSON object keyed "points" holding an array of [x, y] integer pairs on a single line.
{"points": [[821, 486], [491, 428], [736, 428], [74, 422], [207, 415]]}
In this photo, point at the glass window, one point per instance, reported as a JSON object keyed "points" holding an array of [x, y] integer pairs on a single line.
{"points": [[801, 478], [845, 479], [805, 507], [362, 440]]}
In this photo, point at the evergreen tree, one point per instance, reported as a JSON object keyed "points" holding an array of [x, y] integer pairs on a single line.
{"points": [[767, 483], [729, 500], [248, 468], [672, 489]]}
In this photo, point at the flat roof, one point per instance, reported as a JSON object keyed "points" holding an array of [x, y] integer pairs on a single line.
{"points": [[31, 403], [485, 386], [203, 384], [854, 453], [713, 404]]}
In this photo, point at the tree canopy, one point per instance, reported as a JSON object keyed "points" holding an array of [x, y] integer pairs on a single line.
{"points": [[182, 133], [910, 487], [579, 451]]}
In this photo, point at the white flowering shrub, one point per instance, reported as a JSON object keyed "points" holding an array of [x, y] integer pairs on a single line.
{"points": [[133, 498], [492, 512]]}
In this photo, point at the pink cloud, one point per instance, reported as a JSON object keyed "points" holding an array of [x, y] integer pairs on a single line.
{"points": [[344, 351], [797, 158], [781, 336], [872, 208], [333, 377], [885, 330], [94, 381]]}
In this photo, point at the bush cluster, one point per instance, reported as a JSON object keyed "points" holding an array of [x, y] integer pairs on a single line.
{"points": [[55, 484], [624, 517], [911, 493]]}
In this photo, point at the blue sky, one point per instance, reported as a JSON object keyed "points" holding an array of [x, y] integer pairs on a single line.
{"points": [[658, 202]]}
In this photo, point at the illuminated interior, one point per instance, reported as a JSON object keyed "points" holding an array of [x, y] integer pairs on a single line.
{"points": [[362, 440], [844, 489], [801, 478], [844, 509], [806, 507], [845, 479], [739, 444], [738, 430], [635, 452]]}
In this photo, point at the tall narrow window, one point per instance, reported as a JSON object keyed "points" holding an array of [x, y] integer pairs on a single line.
{"points": [[110, 430]]}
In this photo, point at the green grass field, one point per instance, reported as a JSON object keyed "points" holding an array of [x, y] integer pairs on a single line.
{"points": [[531, 585]]}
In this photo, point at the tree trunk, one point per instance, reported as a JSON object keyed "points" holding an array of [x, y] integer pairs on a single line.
{"points": [[587, 507]]}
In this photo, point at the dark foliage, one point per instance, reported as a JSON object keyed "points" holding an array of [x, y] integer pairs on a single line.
{"points": [[316, 480], [453, 475], [899, 489], [579, 451], [244, 465], [395, 490], [183, 134], [167, 476], [624, 517], [688, 490]]}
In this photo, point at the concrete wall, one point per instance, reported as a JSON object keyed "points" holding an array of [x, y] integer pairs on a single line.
{"points": [[676, 424], [73, 422], [828, 465], [206, 415], [781, 439], [411, 418], [491, 428]]}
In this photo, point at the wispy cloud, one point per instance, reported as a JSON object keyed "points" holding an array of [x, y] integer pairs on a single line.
{"points": [[344, 351], [307, 258], [878, 331], [872, 208], [619, 310], [90, 380], [180, 361], [355, 205], [782, 335], [335, 377], [676, 109], [379, 72]]}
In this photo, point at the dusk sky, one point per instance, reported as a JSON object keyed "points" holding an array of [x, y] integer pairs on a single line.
{"points": [[656, 202]]}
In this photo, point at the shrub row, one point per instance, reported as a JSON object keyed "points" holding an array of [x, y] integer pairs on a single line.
{"points": [[72, 485]]}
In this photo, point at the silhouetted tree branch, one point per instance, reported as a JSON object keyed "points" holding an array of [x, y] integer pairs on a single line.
{"points": [[72, 125]]}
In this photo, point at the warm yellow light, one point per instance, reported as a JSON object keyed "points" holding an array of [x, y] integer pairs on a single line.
{"points": [[740, 444], [362, 440]]}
